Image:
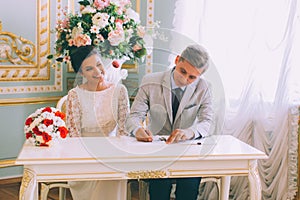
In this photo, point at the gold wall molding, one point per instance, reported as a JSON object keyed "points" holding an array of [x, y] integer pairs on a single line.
{"points": [[25, 60], [56, 87], [7, 163], [22, 59], [149, 23], [34, 100], [15, 50]]}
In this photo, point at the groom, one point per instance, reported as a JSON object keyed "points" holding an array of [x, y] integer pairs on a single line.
{"points": [[179, 104]]}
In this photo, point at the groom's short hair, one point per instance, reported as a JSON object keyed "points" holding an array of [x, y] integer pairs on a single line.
{"points": [[196, 55]]}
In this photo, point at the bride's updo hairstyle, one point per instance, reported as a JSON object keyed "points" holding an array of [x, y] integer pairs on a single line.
{"points": [[78, 55]]}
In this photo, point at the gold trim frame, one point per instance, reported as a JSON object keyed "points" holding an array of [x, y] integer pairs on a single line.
{"points": [[7, 163], [131, 67], [70, 83], [149, 23], [69, 68], [26, 101], [25, 60]]}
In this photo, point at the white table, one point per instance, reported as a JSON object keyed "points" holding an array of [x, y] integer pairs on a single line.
{"points": [[124, 158]]}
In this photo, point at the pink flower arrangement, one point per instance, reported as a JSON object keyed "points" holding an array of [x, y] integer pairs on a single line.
{"points": [[44, 126], [110, 25]]}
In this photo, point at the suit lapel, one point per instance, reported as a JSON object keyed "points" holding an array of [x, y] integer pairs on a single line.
{"points": [[166, 84], [189, 91]]}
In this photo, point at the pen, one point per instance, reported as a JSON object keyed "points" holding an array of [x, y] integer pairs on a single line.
{"points": [[162, 139], [198, 143], [147, 132], [149, 135]]}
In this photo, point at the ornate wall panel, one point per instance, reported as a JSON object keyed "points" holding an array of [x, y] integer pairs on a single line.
{"points": [[23, 59], [149, 21]]}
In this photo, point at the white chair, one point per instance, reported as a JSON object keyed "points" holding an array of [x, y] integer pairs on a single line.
{"points": [[61, 104], [216, 179], [45, 187]]}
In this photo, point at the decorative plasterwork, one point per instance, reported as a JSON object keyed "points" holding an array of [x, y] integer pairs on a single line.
{"points": [[150, 21], [27, 181], [25, 60], [146, 174], [15, 50]]}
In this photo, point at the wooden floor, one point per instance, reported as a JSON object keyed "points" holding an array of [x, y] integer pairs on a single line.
{"points": [[9, 190]]}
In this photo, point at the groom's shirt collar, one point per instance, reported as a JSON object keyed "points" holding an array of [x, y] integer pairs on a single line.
{"points": [[173, 84]]}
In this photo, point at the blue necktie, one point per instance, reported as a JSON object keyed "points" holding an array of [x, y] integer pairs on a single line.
{"points": [[176, 98]]}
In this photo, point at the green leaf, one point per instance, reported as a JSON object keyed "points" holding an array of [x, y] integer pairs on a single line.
{"points": [[60, 59], [50, 56], [84, 3]]}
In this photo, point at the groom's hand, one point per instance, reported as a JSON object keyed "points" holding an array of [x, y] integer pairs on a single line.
{"points": [[180, 135], [143, 135]]}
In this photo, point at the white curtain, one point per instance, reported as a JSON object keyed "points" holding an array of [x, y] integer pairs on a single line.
{"points": [[254, 46]]}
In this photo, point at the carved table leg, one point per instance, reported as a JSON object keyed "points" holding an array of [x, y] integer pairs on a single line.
{"points": [[225, 186], [29, 186], [254, 181]]}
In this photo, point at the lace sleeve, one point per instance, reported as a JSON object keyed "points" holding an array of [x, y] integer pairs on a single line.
{"points": [[123, 110], [73, 121]]}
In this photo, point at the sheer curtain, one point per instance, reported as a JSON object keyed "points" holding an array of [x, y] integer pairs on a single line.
{"points": [[254, 45]]}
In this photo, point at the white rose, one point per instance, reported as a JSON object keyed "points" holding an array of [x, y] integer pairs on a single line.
{"points": [[88, 9], [36, 121], [129, 33], [58, 121], [47, 115], [133, 15], [39, 138], [116, 37], [42, 127], [31, 140], [120, 3], [49, 129], [100, 19], [27, 129]]}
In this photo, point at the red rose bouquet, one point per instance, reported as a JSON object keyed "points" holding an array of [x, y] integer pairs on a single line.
{"points": [[45, 125]]}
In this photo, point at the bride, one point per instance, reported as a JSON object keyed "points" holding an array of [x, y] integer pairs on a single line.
{"points": [[95, 108]]}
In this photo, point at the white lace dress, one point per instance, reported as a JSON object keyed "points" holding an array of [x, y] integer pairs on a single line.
{"points": [[101, 113]]}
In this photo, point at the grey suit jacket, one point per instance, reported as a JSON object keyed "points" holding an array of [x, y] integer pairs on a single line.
{"points": [[154, 99]]}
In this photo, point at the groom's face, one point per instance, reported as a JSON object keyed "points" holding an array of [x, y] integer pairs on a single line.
{"points": [[185, 73]]}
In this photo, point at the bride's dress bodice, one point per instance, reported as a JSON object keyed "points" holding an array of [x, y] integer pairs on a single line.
{"points": [[97, 111]]}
